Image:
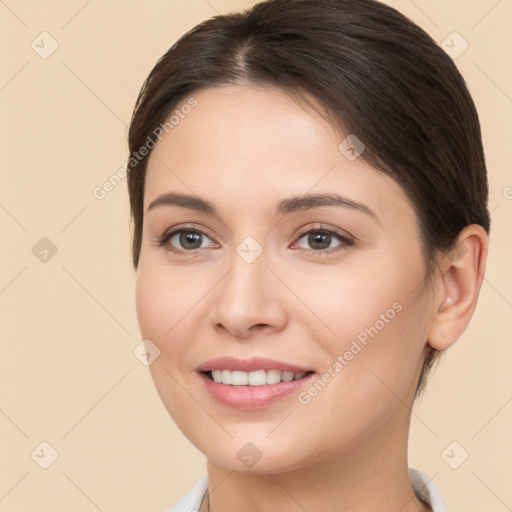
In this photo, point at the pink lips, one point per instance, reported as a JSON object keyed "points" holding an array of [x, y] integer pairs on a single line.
{"points": [[250, 397]]}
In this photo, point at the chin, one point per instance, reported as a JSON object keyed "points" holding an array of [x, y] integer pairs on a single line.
{"points": [[258, 457]]}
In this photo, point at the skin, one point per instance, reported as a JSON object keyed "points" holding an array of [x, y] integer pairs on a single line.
{"points": [[244, 148]]}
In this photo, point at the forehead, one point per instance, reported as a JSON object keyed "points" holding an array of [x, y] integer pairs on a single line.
{"points": [[253, 145]]}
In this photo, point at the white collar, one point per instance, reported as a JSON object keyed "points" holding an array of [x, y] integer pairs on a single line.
{"points": [[424, 487], [426, 490]]}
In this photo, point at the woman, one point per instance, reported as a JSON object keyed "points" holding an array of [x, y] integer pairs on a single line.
{"points": [[309, 198]]}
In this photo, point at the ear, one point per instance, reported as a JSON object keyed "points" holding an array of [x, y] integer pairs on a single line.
{"points": [[461, 275]]}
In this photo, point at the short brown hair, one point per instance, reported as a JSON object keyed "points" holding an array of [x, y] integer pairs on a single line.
{"points": [[375, 73]]}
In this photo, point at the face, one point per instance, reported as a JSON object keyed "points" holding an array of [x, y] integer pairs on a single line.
{"points": [[327, 291]]}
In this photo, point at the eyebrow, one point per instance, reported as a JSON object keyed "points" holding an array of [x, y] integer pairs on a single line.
{"points": [[284, 207]]}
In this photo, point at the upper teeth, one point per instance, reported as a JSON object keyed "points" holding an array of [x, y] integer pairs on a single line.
{"points": [[256, 378]]}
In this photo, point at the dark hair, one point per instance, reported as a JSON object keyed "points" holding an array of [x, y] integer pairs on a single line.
{"points": [[374, 74]]}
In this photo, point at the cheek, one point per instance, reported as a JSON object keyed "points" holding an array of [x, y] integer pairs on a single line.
{"points": [[348, 301], [372, 321], [172, 305], [150, 297], [164, 299], [383, 357], [161, 313], [371, 373]]}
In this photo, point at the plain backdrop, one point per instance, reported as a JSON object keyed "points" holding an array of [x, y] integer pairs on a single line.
{"points": [[73, 395]]}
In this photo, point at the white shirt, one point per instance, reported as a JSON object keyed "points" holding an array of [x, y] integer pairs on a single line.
{"points": [[423, 486]]}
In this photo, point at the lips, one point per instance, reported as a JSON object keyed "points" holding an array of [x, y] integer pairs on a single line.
{"points": [[239, 382]]}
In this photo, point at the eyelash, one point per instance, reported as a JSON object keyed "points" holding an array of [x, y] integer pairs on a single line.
{"points": [[345, 241]]}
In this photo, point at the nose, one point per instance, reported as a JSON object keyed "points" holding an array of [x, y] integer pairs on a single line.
{"points": [[249, 300]]}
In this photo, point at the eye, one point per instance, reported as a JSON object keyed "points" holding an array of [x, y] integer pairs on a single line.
{"points": [[320, 240], [188, 239]]}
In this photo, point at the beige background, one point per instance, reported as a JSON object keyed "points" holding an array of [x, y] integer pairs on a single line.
{"points": [[68, 374]]}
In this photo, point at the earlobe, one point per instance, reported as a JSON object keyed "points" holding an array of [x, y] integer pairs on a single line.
{"points": [[458, 286]]}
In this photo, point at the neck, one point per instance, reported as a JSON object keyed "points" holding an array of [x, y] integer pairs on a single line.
{"points": [[371, 475]]}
